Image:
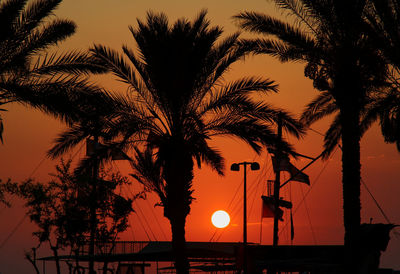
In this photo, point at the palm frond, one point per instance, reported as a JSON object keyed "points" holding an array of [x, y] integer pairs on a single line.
{"points": [[301, 11], [372, 112], [116, 63], [9, 11], [72, 62], [245, 129], [217, 61], [68, 139], [264, 24], [211, 156], [320, 107], [273, 115], [249, 84], [200, 24], [147, 94], [224, 55], [389, 115], [276, 48], [67, 98], [235, 94], [36, 12], [148, 172], [49, 35], [332, 137]]}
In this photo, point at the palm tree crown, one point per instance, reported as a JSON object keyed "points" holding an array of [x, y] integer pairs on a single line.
{"points": [[28, 74]]}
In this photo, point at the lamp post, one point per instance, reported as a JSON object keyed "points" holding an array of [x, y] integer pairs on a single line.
{"points": [[236, 167]]}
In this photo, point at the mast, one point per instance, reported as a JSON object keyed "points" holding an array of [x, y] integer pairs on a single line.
{"points": [[244, 220], [93, 206], [278, 155]]}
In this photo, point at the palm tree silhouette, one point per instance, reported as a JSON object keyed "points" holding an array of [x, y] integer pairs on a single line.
{"points": [[175, 102], [331, 37], [28, 75]]}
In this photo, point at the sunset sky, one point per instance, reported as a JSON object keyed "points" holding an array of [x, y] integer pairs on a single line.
{"points": [[29, 134]]}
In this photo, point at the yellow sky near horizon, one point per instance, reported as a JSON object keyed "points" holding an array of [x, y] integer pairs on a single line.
{"points": [[28, 134]]}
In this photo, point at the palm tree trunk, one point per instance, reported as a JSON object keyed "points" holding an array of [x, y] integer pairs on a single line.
{"points": [[351, 172], [178, 175], [176, 211], [179, 243]]}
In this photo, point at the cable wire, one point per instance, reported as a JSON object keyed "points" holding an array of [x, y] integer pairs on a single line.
{"points": [[144, 217], [376, 202], [11, 199], [373, 198], [312, 186], [156, 219], [13, 231], [308, 217], [148, 205]]}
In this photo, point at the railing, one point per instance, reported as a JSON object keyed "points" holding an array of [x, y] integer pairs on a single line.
{"points": [[117, 247]]}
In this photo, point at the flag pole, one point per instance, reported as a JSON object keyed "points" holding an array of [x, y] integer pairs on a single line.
{"points": [[277, 184], [93, 205]]}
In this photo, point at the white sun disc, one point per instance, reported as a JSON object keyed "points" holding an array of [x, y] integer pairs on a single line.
{"points": [[220, 219]]}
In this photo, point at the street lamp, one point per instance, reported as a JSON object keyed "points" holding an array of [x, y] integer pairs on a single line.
{"points": [[236, 167]]}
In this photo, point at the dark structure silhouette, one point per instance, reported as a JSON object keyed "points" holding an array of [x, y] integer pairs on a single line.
{"points": [[226, 256], [374, 239]]}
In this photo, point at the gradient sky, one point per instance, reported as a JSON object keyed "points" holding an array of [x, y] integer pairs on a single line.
{"points": [[28, 134]]}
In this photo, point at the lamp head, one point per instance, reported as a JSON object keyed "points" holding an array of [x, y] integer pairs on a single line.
{"points": [[254, 166], [235, 167]]}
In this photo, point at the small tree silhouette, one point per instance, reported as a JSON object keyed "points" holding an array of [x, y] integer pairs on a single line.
{"points": [[60, 210]]}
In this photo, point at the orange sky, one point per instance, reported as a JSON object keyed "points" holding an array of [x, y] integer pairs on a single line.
{"points": [[28, 134]]}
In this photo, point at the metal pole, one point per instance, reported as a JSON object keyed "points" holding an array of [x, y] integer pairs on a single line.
{"points": [[277, 185], [244, 207], [93, 207], [236, 167], [244, 220]]}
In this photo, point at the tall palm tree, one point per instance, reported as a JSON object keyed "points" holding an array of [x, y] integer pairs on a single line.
{"points": [[176, 101], [29, 75], [331, 38]]}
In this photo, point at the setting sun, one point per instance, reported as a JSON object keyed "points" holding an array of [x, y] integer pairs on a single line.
{"points": [[220, 219]]}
